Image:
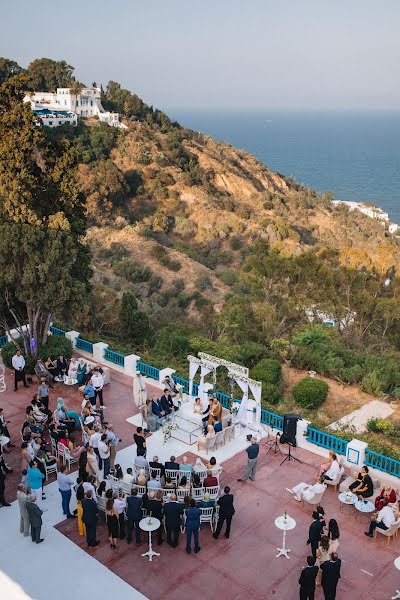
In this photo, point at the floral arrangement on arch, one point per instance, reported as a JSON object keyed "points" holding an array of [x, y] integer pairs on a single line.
{"points": [[179, 389], [168, 428], [235, 408]]}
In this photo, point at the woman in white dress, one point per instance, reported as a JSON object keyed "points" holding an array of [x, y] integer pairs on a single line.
{"points": [[92, 466], [206, 441], [73, 369]]}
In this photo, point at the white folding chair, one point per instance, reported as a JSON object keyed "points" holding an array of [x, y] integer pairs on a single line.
{"points": [[50, 469], [114, 483], [216, 515], [54, 450], [126, 488], [186, 474], [101, 503], [213, 491], [155, 471], [69, 459], [219, 438], [202, 475], [228, 433], [3, 385], [181, 493], [141, 490], [198, 494], [173, 473], [206, 516], [61, 451], [166, 491]]}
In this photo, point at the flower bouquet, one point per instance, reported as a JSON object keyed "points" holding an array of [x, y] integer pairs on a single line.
{"points": [[235, 408], [179, 389], [168, 427]]}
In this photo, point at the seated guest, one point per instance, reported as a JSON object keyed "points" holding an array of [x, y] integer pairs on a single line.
{"points": [[38, 415], [50, 367], [210, 480], [62, 366], [196, 483], [155, 464], [386, 496], [212, 463], [141, 478], [185, 466], [197, 408], [183, 483], [171, 464], [384, 519], [169, 484], [141, 461], [73, 369], [153, 483], [333, 470], [365, 487], [206, 502], [128, 477], [206, 440], [169, 385], [43, 393], [217, 425], [325, 465], [167, 403], [152, 421], [158, 410], [307, 491], [42, 372], [81, 371], [207, 414]]}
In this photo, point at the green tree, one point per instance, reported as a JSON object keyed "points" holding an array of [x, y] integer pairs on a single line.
{"points": [[44, 264], [47, 75], [134, 323], [8, 68]]}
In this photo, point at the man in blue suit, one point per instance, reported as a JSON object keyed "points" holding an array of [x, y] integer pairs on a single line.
{"points": [[192, 527], [158, 410], [134, 514], [89, 517]]}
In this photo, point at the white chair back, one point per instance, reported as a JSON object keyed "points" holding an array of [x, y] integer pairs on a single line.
{"points": [[173, 473], [206, 516], [166, 491], [213, 491], [126, 488], [228, 433], [69, 459], [197, 494], [3, 385], [181, 493], [114, 483], [202, 475], [155, 471], [50, 469], [101, 503], [61, 451], [219, 438], [53, 443], [186, 474], [141, 490]]}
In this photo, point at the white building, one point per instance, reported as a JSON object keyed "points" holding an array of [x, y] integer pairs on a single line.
{"points": [[86, 103], [373, 212], [55, 118]]}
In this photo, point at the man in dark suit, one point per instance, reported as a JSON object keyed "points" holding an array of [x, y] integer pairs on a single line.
{"points": [[207, 414], [158, 409], [35, 519], [155, 507], [173, 512], [89, 517], [166, 401], [226, 512], [307, 580], [155, 464], [171, 464], [134, 514], [4, 470], [192, 527], [330, 576], [314, 534]]}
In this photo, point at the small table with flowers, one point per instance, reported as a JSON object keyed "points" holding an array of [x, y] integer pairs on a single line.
{"points": [[284, 523], [150, 524]]}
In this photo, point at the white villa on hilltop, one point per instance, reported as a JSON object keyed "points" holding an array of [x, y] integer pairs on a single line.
{"points": [[373, 212], [64, 106]]}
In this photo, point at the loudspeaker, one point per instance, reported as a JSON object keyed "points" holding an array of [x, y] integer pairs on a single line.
{"points": [[289, 429]]}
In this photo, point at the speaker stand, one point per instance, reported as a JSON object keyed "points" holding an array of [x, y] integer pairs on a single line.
{"points": [[274, 445], [290, 457]]}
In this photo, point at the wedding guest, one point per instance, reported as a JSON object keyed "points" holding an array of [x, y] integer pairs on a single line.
{"points": [[81, 371], [50, 367], [22, 498], [197, 408], [384, 519], [307, 579], [35, 518], [363, 486], [252, 460], [18, 363], [226, 512], [386, 496], [98, 383], [62, 366]]}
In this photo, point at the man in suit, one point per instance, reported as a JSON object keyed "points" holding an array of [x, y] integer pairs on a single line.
{"points": [[134, 514], [192, 527], [22, 498], [155, 464], [314, 534], [158, 410], [330, 576], [226, 512], [156, 508], [35, 518], [89, 517], [164, 401], [307, 579], [207, 414], [43, 373], [171, 464], [4, 470], [173, 512]]}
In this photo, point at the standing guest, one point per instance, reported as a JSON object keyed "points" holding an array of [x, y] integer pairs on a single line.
{"points": [[89, 517], [41, 465], [120, 506], [173, 512], [35, 478], [192, 527], [139, 391], [88, 486], [314, 534], [88, 391], [22, 498], [210, 480], [323, 553], [384, 519], [42, 372], [333, 535], [363, 486], [65, 485], [104, 452], [81, 371], [330, 576], [4, 429], [226, 512], [252, 460], [18, 363], [43, 393], [94, 442], [98, 383], [73, 369], [113, 442], [140, 439], [112, 523], [62, 366], [155, 507], [92, 465], [307, 580], [35, 518], [134, 514], [80, 496]]}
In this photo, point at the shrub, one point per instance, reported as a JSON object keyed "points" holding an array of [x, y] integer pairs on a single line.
{"points": [[271, 394], [372, 383], [310, 393], [130, 270], [268, 370], [352, 374], [379, 425], [203, 282], [55, 345]]}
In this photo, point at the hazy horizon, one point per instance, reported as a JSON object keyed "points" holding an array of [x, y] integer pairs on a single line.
{"points": [[223, 55]]}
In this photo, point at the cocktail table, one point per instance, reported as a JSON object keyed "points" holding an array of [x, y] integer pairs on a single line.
{"points": [[344, 501], [285, 524], [150, 524], [364, 507]]}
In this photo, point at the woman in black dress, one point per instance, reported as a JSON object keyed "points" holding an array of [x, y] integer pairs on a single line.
{"points": [[112, 523]]}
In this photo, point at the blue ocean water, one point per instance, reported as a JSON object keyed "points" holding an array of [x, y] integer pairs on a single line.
{"points": [[354, 155]]}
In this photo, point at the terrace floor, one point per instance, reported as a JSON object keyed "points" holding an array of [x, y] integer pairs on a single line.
{"points": [[243, 566]]}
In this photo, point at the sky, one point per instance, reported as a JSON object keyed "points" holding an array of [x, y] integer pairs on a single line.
{"points": [[220, 54]]}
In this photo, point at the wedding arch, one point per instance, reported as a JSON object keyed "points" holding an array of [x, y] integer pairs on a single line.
{"points": [[208, 363]]}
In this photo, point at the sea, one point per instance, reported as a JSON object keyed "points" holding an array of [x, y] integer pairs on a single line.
{"points": [[354, 155]]}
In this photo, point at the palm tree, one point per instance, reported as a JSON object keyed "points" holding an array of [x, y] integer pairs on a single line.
{"points": [[74, 90]]}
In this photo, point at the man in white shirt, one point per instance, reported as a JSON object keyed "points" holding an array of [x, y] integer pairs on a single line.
{"points": [[88, 486], [384, 520], [98, 383], [333, 470], [94, 442], [120, 505], [307, 491], [104, 452], [65, 485], [128, 477], [18, 363]]}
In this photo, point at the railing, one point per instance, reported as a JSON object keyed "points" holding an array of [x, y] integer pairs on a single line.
{"points": [[148, 370], [325, 440], [56, 331], [3, 340], [84, 345], [183, 382], [382, 463], [114, 357], [195, 389], [224, 399], [273, 420]]}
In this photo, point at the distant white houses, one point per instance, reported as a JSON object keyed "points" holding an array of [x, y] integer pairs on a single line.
{"points": [[313, 315], [374, 212], [85, 103]]}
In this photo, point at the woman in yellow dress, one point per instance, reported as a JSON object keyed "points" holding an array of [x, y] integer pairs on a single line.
{"points": [[80, 495]]}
